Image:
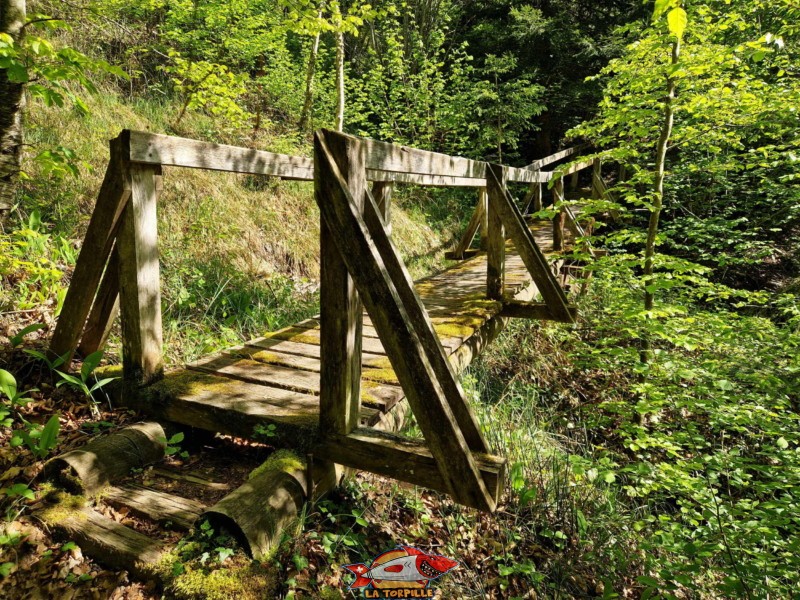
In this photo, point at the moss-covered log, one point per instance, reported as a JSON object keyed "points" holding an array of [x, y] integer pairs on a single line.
{"points": [[91, 468], [268, 504]]}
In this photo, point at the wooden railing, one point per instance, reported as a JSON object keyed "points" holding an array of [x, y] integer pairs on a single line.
{"points": [[118, 269]]}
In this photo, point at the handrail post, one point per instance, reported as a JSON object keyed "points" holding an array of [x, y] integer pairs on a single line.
{"points": [[483, 202], [340, 305], [496, 238], [558, 221], [598, 186], [139, 277]]}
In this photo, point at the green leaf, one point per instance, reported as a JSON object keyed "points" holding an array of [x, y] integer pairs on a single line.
{"points": [[8, 385], [677, 21], [90, 364], [16, 340], [782, 443], [5, 569], [49, 437], [176, 439], [71, 379], [20, 489], [661, 7], [101, 382]]}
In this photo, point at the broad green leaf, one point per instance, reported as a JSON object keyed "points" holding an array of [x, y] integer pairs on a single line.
{"points": [[8, 385], [677, 21], [16, 340], [90, 364], [49, 435], [782, 443], [101, 382]]}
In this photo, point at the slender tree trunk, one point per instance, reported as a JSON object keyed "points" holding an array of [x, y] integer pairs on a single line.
{"points": [[12, 101], [311, 70], [658, 195], [340, 81]]}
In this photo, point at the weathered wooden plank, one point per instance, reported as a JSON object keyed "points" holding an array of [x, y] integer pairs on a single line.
{"points": [[111, 543], [157, 506], [358, 239], [384, 156], [275, 375], [340, 306], [527, 176], [309, 347], [575, 167], [424, 180], [404, 459], [104, 309], [140, 287], [111, 201], [234, 407], [496, 242], [547, 160], [156, 149], [525, 244]]}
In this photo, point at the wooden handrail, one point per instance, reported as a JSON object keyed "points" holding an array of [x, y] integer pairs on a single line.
{"points": [[547, 160]]}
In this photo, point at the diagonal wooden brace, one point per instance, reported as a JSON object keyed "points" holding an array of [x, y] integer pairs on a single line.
{"points": [[385, 288]]}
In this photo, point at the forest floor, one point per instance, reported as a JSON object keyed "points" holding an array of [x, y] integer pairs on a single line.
{"points": [[365, 517]]}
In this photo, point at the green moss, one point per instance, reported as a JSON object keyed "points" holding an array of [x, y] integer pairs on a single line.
{"points": [[64, 506], [243, 579], [280, 460], [267, 357], [381, 375], [295, 334], [185, 382], [108, 371]]}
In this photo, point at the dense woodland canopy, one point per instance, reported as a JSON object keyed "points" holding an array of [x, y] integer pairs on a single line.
{"points": [[654, 448]]}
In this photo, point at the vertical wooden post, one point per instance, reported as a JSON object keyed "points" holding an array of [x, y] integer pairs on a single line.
{"points": [[537, 197], [573, 181], [104, 309], [340, 305], [483, 200], [382, 192], [598, 187], [140, 289], [111, 201], [558, 221], [496, 238]]}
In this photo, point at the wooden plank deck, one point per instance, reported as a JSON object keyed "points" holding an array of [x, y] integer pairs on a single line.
{"points": [[275, 379]]}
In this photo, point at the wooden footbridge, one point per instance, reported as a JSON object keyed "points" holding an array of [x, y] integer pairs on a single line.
{"points": [[336, 386]]}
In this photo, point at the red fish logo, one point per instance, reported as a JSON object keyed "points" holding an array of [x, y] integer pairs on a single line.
{"points": [[403, 567]]}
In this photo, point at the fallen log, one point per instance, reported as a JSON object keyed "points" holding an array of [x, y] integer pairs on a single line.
{"points": [[268, 504], [89, 469]]}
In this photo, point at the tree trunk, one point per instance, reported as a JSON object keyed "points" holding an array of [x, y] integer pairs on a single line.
{"points": [[658, 195], [308, 103], [340, 81], [12, 101]]}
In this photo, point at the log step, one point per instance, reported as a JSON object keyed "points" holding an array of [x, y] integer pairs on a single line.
{"points": [[157, 506], [109, 542]]}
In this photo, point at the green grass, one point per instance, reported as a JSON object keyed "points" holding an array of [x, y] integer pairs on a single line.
{"points": [[239, 254]]}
